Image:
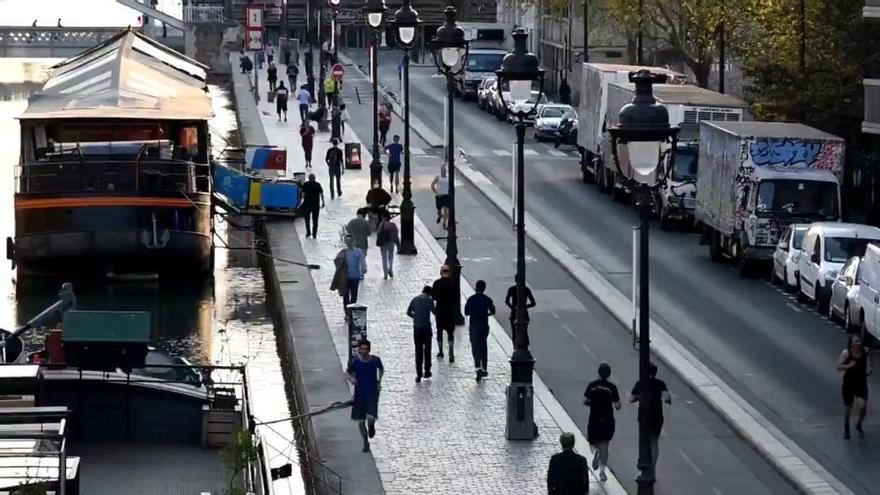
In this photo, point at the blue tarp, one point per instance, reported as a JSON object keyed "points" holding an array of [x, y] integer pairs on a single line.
{"points": [[279, 195], [232, 184]]}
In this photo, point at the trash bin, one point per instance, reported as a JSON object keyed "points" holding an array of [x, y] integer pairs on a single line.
{"points": [[353, 156]]}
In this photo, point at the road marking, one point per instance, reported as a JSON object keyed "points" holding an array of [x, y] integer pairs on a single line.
{"points": [[689, 462], [475, 153], [501, 152], [584, 346], [416, 151], [717, 491], [557, 153], [569, 330], [555, 315], [792, 306], [530, 152]]}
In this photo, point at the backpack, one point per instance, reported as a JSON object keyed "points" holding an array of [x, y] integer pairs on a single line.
{"points": [[382, 236]]}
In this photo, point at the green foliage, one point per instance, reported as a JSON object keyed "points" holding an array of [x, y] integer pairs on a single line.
{"points": [[237, 455], [827, 93]]}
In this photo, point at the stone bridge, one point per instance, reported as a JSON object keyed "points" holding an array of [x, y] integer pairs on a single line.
{"points": [[50, 42]]}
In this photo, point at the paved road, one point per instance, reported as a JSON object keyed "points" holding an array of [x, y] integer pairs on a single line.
{"points": [[779, 355], [701, 454]]}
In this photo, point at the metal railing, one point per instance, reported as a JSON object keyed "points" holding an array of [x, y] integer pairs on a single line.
{"points": [[204, 14], [111, 176]]}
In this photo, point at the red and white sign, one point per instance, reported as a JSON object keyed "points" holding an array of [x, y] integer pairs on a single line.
{"points": [[254, 19], [338, 71]]}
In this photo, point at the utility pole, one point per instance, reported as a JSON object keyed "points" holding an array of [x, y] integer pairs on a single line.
{"points": [[586, 28], [803, 48], [722, 55], [640, 52]]}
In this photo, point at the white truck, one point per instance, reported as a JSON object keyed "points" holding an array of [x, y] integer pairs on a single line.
{"points": [[592, 109], [687, 106], [487, 46], [756, 178]]}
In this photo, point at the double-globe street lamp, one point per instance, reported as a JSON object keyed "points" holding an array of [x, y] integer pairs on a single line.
{"points": [[322, 74], [644, 136], [334, 28], [520, 70], [375, 12], [450, 55], [407, 21]]}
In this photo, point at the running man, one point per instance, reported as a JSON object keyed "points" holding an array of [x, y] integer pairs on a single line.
{"points": [[394, 150], [855, 364], [602, 398], [365, 372], [659, 395], [440, 187]]}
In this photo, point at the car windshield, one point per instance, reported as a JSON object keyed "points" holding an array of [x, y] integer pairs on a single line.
{"points": [[798, 197], [798, 239], [840, 249], [557, 113], [686, 159], [484, 62], [534, 97]]}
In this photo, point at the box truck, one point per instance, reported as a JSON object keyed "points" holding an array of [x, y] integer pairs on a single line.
{"points": [[687, 106], [593, 104], [756, 178], [487, 46]]}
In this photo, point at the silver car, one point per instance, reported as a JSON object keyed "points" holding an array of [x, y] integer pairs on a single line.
{"points": [[549, 117], [844, 304], [787, 255]]}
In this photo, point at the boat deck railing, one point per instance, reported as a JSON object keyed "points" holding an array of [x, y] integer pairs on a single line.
{"points": [[33, 446], [113, 176]]}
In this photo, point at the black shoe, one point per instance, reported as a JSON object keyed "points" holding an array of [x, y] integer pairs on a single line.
{"points": [[371, 429], [428, 374], [484, 373], [479, 376], [418, 378], [440, 354], [366, 448], [860, 430]]}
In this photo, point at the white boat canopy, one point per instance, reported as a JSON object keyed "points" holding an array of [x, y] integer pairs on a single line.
{"points": [[129, 76]]}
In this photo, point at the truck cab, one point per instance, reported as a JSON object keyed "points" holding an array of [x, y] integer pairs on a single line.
{"points": [[677, 198], [486, 49]]}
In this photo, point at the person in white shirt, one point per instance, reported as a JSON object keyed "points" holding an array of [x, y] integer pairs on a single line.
{"points": [[440, 186], [303, 97]]}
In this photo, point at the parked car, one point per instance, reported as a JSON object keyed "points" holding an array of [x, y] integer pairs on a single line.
{"points": [[788, 253], [827, 247], [494, 104], [484, 91], [548, 119], [868, 280], [844, 303], [536, 96]]}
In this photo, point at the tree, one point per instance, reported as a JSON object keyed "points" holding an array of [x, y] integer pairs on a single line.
{"points": [[827, 92], [687, 28]]}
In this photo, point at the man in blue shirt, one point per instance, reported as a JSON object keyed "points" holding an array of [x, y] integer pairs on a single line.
{"points": [[394, 150], [365, 372], [479, 307], [356, 268], [420, 309]]}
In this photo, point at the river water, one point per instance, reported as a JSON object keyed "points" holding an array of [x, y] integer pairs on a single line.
{"points": [[220, 321]]}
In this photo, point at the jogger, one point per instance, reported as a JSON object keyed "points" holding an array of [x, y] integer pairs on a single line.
{"points": [[659, 395], [365, 372], [602, 398], [855, 363], [479, 307]]}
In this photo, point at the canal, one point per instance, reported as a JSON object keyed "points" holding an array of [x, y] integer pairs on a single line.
{"points": [[220, 321]]}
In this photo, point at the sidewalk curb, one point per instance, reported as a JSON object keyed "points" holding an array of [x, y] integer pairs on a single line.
{"points": [[801, 470], [416, 125]]}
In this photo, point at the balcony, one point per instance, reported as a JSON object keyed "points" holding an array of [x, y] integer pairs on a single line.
{"points": [[871, 122], [871, 9]]}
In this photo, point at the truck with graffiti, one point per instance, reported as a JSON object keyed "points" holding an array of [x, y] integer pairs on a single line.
{"points": [[756, 178]]}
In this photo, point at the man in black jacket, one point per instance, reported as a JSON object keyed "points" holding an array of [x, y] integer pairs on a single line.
{"points": [[568, 473], [444, 294]]}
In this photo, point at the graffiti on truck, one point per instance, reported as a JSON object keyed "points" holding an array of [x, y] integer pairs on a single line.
{"points": [[788, 152]]}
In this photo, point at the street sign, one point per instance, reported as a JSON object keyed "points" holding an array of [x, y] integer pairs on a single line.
{"points": [[255, 39], [254, 19], [338, 71]]}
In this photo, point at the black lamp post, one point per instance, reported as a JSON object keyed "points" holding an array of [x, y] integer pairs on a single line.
{"points": [[450, 55], [375, 12], [407, 22], [334, 34], [643, 131], [520, 69], [322, 74]]}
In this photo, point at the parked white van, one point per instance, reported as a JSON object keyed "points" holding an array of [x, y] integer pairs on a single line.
{"points": [[827, 247], [869, 291]]}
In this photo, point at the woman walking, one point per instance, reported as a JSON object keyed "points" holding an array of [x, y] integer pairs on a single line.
{"points": [[855, 364], [307, 133], [388, 239], [281, 101], [273, 76]]}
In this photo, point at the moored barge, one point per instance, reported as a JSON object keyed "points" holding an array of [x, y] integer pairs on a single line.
{"points": [[114, 172]]}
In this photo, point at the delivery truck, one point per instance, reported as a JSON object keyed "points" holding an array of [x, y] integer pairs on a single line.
{"points": [[687, 105], [593, 105], [756, 178], [487, 46]]}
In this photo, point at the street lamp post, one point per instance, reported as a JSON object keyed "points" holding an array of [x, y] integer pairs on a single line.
{"points": [[407, 22], [322, 74], [520, 69], [643, 129], [375, 12], [334, 33], [450, 55]]}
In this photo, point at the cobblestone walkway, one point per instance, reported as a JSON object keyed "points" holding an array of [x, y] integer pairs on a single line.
{"points": [[444, 435]]}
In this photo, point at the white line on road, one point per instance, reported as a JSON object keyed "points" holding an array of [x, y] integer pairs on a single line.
{"points": [[717, 491], [569, 330], [530, 152], [475, 153], [690, 462], [554, 314], [792, 306], [501, 152], [416, 151], [584, 346], [557, 153]]}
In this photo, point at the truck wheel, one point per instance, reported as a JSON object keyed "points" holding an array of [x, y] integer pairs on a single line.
{"points": [[585, 174], [602, 179], [714, 246], [743, 264]]}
